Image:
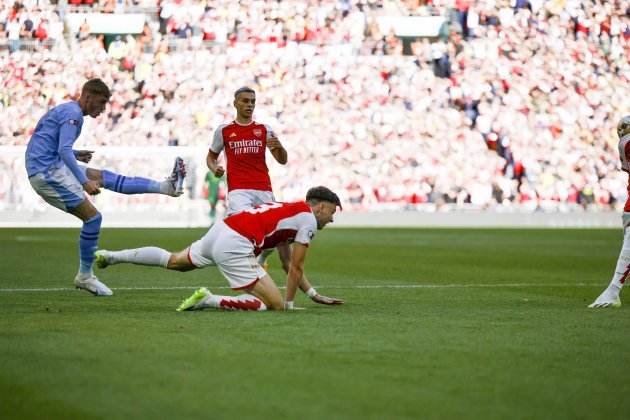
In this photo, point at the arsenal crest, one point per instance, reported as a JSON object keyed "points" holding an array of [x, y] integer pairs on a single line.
{"points": [[257, 132]]}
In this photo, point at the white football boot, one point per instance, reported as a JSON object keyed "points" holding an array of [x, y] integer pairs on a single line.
{"points": [[606, 300], [195, 301], [91, 283]]}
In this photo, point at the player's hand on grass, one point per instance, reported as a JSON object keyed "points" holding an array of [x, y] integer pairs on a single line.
{"points": [[219, 171], [84, 155], [325, 300], [91, 187]]}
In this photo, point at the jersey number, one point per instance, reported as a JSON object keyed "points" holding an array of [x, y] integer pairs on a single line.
{"points": [[263, 208]]}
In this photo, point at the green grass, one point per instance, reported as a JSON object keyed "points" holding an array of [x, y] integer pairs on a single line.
{"points": [[523, 346]]}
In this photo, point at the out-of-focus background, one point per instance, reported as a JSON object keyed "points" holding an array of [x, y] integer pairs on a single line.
{"points": [[419, 108]]}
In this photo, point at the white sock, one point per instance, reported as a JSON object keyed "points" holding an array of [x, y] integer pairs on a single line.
{"points": [[622, 272], [85, 275], [149, 255], [244, 302]]}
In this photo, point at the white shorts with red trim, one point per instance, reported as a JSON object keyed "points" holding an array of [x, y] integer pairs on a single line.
{"points": [[239, 200], [231, 252]]}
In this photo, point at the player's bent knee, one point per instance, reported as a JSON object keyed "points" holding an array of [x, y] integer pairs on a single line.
{"points": [[94, 175], [272, 303], [276, 305], [179, 261], [180, 268], [85, 211], [267, 291]]}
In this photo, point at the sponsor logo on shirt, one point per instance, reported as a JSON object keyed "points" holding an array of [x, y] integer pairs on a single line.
{"points": [[233, 134], [240, 147], [73, 122]]}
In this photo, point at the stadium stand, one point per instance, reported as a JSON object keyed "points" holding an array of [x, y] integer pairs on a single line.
{"points": [[512, 105]]}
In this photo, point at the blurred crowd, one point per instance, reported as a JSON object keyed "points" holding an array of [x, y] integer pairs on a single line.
{"points": [[513, 105]]}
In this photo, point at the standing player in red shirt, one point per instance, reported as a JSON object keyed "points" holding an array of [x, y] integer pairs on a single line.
{"points": [[610, 297], [244, 142], [232, 245]]}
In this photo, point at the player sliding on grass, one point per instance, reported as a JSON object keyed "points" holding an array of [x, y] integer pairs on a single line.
{"points": [[56, 176], [610, 297], [233, 243]]}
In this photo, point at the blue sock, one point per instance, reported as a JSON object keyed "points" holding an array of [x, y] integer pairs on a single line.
{"points": [[129, 185], [88, 242]]}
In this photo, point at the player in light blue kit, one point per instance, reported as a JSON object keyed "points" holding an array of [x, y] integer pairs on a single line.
{"points": [[56, 176]]}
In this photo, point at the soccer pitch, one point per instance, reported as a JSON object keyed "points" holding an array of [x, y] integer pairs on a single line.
{"points": [[439, 323]]}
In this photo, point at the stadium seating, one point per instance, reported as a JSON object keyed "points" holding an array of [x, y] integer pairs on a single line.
{"points": [[510, 107]]}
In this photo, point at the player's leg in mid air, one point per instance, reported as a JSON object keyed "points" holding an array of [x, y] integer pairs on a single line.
{"points": [[60, 188], [172, 185], [609, 298]]}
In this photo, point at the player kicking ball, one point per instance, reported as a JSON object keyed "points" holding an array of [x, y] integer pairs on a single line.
{"points": [[610, 297], [232, 245], [56, 176]]}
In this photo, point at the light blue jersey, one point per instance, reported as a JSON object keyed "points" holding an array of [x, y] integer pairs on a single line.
{"points": [[50, 146]]}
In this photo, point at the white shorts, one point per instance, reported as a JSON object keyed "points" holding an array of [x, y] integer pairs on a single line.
{"points": [[231, 252], [239, 200], [59, 187]]}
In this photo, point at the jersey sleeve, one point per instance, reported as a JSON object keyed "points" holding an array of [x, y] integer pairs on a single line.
{"points": [[71, 116], [306, 232], [217, 140], [68, 133]]}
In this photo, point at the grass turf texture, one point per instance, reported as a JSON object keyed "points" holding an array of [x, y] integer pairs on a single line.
{"points": [[529, 351]]}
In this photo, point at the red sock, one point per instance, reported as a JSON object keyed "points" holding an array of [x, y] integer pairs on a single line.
{"points": [[236, 303]]}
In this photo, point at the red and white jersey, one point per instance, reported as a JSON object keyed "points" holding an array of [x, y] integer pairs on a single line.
{"points": [[270, 224], [624, 156], [244, 147]]}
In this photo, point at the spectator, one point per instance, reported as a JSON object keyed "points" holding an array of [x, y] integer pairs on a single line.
{"points": [[394, 131]]}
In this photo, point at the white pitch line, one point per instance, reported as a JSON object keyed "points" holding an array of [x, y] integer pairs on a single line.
{"points": [[366, 286], [460, 286]]}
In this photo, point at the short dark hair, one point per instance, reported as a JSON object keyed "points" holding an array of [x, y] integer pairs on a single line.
{"points": [[97, 87], [244, 89], [321, 193]]}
